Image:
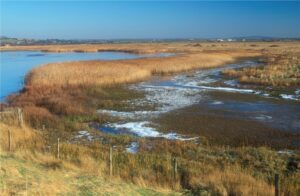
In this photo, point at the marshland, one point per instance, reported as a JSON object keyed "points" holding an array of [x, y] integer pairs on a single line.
{"points": [[152, 103], [150, 98]]}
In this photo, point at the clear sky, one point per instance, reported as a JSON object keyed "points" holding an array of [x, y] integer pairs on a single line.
{"points": [[111, 20]]}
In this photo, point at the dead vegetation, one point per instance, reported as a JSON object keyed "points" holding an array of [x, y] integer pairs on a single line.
{"points": [[106, 73], [201, 169], [280, 70]]}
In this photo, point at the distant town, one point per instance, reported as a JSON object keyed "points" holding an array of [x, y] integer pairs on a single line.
{"points": [[10, 41]]}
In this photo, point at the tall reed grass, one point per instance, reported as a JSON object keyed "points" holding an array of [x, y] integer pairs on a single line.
{"points": [[281, 70]]}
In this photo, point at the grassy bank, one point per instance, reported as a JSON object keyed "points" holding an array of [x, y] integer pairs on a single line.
{"points": [[83, 169], [31, 170]]}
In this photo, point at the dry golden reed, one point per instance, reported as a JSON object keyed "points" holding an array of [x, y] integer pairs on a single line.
{"points": [[103, 73]]}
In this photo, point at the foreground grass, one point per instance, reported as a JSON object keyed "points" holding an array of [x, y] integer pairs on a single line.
{"points": [[29, 169], [21, 176], [83, 169]]}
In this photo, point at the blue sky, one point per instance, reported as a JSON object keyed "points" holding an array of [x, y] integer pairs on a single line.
{"points": [[112, 20]]}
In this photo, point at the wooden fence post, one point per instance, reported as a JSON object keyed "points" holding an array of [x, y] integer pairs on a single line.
{"points": [[277, 185], [58, 148], [20, 117], [9, 140], [110, 162], [174, 168], [26, 185]]}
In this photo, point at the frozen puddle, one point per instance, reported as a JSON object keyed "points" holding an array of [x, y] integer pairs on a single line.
{"points": [[217, 103]]}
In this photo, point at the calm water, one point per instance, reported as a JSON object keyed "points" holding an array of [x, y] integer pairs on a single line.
{"points": [[15, 65]]}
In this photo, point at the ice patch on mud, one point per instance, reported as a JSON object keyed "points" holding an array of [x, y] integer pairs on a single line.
{"points": [[228, 89], [133, 114], [142, 129], [291, 97], [217, 103], [231, 82], [168, 98], [263, 117]]}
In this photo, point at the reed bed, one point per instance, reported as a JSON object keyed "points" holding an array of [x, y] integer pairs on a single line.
{"points": [[85, 73], [105, 73], [281, 70]]}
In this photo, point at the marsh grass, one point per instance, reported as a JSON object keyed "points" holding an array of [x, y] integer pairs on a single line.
{"points": [[85, 73], [281, 70], [67, 109]]}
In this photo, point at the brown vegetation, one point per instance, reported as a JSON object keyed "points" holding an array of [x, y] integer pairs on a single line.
{"points": [[85, 73], [281, 70], [64, 97], [201, 169], [76, 88], [103, 73]]}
